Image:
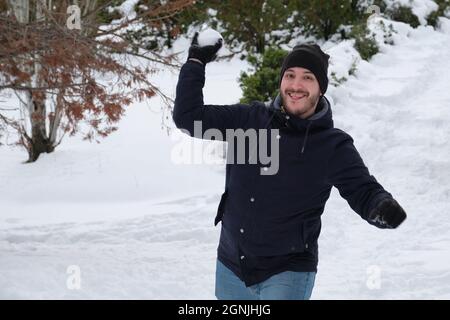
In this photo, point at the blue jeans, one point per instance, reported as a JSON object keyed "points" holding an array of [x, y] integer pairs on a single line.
{"points": [[288, 285]]}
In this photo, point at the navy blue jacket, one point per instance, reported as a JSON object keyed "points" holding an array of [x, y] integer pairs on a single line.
{"points": [[280, 214]]}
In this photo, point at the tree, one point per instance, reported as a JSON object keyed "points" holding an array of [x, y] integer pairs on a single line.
{"points": [[71, 80], [248, 25], [162, 33], [322, 18]]}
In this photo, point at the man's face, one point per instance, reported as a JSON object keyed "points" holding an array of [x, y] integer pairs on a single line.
{"points": [[300, 91]]}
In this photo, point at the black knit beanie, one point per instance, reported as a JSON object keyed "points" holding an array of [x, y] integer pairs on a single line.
{"points": [[311, 57]]}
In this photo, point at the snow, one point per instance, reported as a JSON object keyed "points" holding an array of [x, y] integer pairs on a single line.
{"points": [[140, 226], [444, 24], [343, 57], [396, 108], [208, 37], [127, 8]]}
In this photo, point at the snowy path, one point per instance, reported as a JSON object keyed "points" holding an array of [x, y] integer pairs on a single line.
{"points": [[396, 110], [401, 129]]}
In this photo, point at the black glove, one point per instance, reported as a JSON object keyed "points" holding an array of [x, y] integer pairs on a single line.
{"points": [[204, 54], [387, 214]]}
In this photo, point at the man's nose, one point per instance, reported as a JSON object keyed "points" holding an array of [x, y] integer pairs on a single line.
{"points": [[298, 84]]}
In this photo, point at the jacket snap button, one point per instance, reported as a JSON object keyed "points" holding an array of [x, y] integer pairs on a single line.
{"points": [[252, 199]]}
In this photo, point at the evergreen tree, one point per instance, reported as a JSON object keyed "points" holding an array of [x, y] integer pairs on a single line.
{"points": [[247, 25], [262, 85], [322, 18], [162, 33]]}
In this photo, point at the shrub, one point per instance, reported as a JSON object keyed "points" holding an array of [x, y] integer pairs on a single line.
{"points": [[262, 85], [365, 42], [443, 7], [403, 14]]}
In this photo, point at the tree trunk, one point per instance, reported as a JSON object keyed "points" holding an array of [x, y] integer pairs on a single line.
{"points": [[39, 141], [55, 121], [327, 29], [21, 9]]}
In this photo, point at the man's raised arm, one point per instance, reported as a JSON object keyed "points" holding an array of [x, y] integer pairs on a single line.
{"points": [[189, 107]]}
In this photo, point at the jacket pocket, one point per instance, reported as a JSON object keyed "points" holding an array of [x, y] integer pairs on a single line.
{"points": [[311, 231], [305, 236], [221, 208]]}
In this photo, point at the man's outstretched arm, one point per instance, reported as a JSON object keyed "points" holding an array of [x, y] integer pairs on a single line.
{"points": [[348, 173]]}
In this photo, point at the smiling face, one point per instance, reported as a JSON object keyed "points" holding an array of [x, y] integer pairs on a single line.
{"points": [[300, 92]]}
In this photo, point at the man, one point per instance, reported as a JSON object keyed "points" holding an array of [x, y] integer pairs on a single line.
{"points": [[271, 223]]}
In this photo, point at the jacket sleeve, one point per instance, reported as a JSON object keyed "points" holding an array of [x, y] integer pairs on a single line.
{"points": [[348, 173], [189, 107]]}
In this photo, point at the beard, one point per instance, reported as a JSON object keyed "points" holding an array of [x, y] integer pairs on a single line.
{"points": [[309, 104]]}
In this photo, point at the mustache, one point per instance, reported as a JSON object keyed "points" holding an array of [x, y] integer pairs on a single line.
{"points": [[297, 92]]}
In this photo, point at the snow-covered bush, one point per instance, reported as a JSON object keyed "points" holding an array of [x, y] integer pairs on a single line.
{"points": [[365, 42], [404, 14], [442, 11]]}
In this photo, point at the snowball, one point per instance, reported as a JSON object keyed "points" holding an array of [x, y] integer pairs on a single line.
{"points": [[208, 37]]}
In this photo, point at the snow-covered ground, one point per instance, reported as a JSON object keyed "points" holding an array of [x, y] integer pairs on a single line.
{"points": [[138, 226]]}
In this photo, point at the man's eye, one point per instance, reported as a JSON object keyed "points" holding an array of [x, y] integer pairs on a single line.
{"points": [[308, 78], [289, 75]]}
